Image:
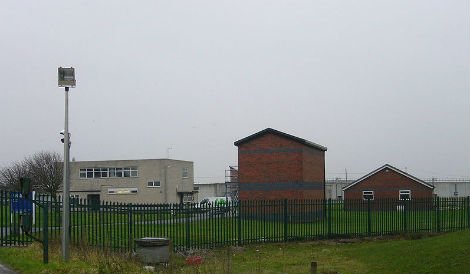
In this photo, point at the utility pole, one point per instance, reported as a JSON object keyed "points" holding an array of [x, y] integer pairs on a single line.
{"points": [[66, 184], [67, 80]]}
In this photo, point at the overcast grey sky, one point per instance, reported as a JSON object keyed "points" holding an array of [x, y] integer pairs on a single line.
{"points": [[375, 81]]}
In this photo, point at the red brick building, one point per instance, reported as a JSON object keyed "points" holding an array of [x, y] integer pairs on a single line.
{"points": [[274, 165], [388, 182]]}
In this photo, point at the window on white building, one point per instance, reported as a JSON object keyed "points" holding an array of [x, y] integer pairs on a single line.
{"points": [[188, 198], [89, 173], [134, 172], [119, 172], [104, 172], [153, 184], [185, 172], [82, 173]]}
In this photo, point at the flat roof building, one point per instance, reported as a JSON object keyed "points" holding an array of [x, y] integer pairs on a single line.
{"points": [[133, 181]]}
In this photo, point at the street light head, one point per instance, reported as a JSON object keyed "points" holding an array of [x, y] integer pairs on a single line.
{"points": [[66, 77]]}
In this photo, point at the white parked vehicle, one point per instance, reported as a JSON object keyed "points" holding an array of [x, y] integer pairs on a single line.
{"points": [[215, 205], [215, 201]]}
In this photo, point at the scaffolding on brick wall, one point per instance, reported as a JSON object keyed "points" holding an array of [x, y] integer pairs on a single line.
{"points": [[231, 182]]}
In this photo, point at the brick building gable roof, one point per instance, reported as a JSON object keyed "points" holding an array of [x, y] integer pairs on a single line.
{"points": [[282, 134], [392, 168]]}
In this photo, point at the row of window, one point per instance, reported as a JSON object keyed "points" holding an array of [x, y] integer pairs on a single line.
{"points": [[113, 172], [403, 194], [108, 172]]}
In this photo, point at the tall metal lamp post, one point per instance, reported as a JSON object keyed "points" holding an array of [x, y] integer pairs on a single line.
{"points": [[66, 80]]}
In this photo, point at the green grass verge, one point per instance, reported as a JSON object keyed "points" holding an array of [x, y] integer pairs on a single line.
{"points": [[447, 253], [414, 254], [83, 260]]}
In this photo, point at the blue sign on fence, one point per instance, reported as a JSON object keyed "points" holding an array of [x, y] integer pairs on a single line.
{"points": [[20, 204]]}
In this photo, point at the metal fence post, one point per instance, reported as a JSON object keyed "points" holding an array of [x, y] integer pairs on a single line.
{"points": [[438, 214], [3, 216], [328, 216], [45, 238], [369, 219], [285, 220], [239, 224], [188, 226], [405, 221], [468, 211], [129, 222]]}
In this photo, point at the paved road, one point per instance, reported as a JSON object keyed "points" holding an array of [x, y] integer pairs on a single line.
{"points": [[5, 270]]}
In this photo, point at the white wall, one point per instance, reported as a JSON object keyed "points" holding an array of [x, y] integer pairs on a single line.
{"points": [[449, 189]]}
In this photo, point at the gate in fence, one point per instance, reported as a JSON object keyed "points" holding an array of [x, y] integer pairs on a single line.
{"points": [[23, 220]]}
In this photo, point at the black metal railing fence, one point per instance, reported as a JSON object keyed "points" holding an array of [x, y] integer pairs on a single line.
{"points": [[192, 226]]}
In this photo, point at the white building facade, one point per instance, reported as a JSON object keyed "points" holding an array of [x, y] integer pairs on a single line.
{"points": [[133, 181], [450, 188]]}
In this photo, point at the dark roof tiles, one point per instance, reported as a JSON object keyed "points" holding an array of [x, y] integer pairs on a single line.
{"points": [[282, 134]]}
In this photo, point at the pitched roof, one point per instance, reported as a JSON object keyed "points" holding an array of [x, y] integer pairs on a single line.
{"points": [[392, 168], [282, 134]]}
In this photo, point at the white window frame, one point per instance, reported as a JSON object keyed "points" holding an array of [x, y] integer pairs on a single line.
{"points": [[89, 170], [97, 172], [126, 172], [134, 172], [368, 192], [104, 172], [119, 170], [108, 172], [188, 198], [185, 172], [81, 172], [153, 184], [112, 172], [404, 192]]}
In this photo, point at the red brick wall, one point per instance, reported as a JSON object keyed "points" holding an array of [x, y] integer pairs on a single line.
{"points": [[313, 165], [278, 194], [270, 158], [387, 183], [274, 159]]}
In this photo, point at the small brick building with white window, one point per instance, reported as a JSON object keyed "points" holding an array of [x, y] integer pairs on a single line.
{"points": [[388, 182]]}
